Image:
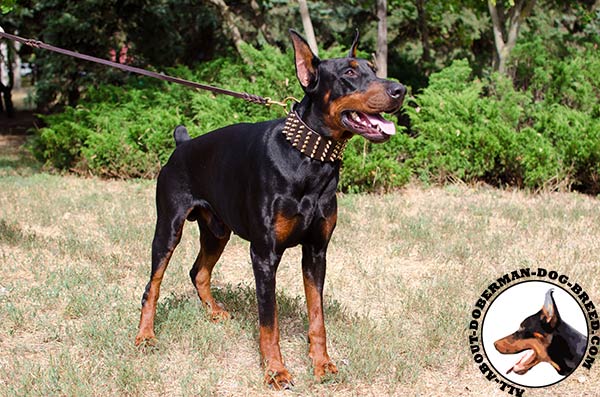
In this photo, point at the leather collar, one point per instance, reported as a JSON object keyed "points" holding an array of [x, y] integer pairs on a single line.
{"points": [[311, 143]]}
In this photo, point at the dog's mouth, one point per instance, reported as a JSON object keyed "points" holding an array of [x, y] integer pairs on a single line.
{"points": [[525, 363], [370, 126]]}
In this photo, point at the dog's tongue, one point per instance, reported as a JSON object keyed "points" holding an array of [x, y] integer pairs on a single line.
{"points": [[387, 127], [521, 366]]}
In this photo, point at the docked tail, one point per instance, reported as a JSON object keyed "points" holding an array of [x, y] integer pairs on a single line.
{"points": [[181, 135]]}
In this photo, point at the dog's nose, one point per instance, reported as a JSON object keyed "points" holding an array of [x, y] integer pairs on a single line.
{"points": [[396, 90]]}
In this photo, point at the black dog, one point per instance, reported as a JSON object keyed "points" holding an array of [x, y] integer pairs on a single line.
{"points": [[546, 337], [274, 184]]}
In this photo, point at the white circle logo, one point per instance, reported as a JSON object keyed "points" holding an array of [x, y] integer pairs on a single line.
{"points": [[533, 328]]}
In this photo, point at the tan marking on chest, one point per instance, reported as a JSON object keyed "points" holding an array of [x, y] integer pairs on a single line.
{"points": [[284, 226], [328, 225]]}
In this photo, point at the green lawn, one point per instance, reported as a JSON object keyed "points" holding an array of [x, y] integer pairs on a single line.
{"points": [[404, 271]]}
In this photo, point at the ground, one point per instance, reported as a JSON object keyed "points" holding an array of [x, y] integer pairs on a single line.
{"points": [[404, 272]]}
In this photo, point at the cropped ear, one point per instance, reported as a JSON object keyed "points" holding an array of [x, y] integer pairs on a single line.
{"points": [[306, 61], [549, 312], [352, 53]]}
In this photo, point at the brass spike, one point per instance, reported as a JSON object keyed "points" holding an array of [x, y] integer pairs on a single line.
{"points": [[313, 151]]}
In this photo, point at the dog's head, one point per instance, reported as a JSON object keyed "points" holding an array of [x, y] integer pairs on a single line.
{"points": [[346, 93], [533, 336]]}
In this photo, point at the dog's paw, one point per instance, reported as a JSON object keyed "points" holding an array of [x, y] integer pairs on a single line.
{"points": [[145, 339], [279, 379], [323, 369], [218, 313]]}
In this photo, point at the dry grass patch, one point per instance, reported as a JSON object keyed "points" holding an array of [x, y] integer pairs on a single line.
{"points": [[403, 272]]}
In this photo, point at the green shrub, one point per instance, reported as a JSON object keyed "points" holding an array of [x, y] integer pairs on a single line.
{"points": [[545, 135], [462, 134], [127, 131], [576, 138], [507, 136], [375, 167]]}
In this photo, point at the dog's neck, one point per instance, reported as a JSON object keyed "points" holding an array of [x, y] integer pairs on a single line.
{"points": [[309, 142]]}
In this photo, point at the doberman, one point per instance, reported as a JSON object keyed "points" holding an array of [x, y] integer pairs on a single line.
{"points": [[546, 338], [273, 183]]}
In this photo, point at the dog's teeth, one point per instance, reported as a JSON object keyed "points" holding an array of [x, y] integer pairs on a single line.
{"points": [[355, 116]]}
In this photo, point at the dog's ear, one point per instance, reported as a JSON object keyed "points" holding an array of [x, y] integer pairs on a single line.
{"points": [[306, 62], [352, 53], [549, 312]]}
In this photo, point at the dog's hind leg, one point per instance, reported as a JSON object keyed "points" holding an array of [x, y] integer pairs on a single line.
{"points": [[211, 247], [169, 226]]}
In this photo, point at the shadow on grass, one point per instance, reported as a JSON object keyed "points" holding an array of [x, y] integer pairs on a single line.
{"points": [[15, 157], [240, 301], [13, 234], [363, 348]]}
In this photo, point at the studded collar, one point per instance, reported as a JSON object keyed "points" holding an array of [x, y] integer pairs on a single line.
{"points": [[309, 142]]}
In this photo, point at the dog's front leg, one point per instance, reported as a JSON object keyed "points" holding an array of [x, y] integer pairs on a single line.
{"points": [[264, 264], [313, 271]]}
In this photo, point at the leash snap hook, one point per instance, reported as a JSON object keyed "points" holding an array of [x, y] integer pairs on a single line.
{"points": [[283, 103]]}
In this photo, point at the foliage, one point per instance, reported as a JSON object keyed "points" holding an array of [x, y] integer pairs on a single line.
{"points": [[537, 129], [125, 131], [143, 32], [7, 6], [375, 168], [466, 128], [507, 137], [424, 36]]}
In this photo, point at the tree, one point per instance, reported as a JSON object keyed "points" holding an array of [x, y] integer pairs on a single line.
{"points": [[6, 62], [230, 22], [423, 31], [382, 46], [308, 27], [506, 23]]}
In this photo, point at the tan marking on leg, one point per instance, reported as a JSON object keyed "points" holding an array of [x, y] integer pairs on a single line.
{"points": [[322, 364], [205, 263], [146, 326], [276, 375]]}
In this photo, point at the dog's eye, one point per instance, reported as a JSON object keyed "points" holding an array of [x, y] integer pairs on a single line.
{"points": [[350, 73]]}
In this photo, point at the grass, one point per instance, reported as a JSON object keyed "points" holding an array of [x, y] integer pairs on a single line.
{"points": [[404, 270]]}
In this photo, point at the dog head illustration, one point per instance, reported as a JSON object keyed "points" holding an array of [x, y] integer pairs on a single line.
{"points": [[533, 337]]}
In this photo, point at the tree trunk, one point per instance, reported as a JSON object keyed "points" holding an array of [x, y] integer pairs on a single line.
{"points": [[230, 23], [382, 47], [259, 16], [7, 96], [308, 27], [6, 64], [505, 37], [424, 30]]}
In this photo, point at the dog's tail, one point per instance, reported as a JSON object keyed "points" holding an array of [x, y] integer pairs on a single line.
{"points": [[181, 135]]}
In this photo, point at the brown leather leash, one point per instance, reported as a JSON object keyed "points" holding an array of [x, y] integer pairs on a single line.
{"points": [[241, 95]]}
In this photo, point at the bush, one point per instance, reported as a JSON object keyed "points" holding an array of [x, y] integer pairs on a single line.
{"points": [[506, 137], [127, 131], [464, 135], [544, 136], [375, 168]]}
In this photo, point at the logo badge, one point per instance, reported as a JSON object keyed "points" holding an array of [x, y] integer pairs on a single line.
{"points": [[533, 328]]}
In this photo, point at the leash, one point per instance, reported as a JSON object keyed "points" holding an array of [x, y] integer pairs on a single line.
{"points": [[161, 76]]}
